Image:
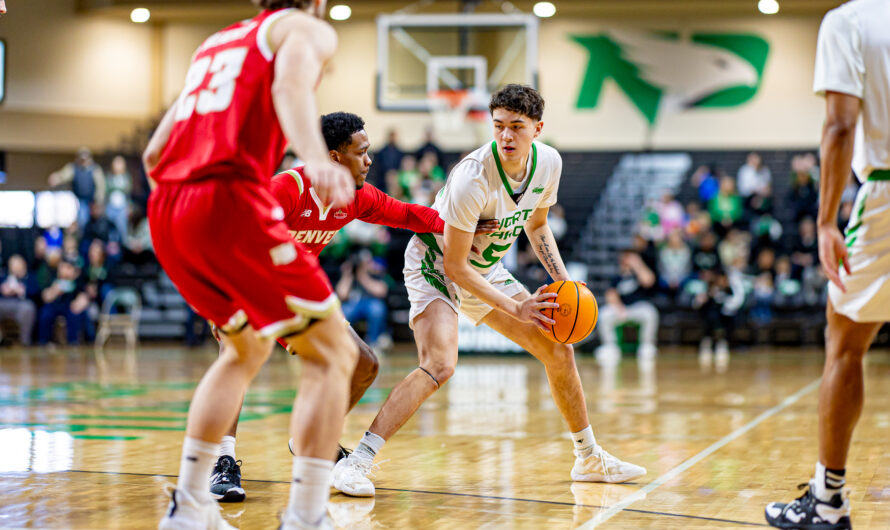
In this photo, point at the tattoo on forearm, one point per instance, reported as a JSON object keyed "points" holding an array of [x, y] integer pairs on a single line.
{"points": [[546, 253]]}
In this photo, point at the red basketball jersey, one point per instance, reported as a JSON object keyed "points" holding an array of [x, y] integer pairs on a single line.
{"points": [[313, 225], [225, 121]]}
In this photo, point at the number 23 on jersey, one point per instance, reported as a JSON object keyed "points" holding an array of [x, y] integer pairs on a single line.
{"points": [[223, 69]]}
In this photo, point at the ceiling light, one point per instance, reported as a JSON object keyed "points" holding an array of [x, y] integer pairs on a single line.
{"points": [[544, 9], [140, 15], [768, 7], [341, 12]]}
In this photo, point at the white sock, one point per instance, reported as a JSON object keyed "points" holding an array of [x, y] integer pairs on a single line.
{"points": [[310, 488], [584, 439], [198, 458], [828, 483], [369, 446], [227, 447]]}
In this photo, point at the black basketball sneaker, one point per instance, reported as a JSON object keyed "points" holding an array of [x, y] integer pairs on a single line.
{"points": [[225, 483], [342, 452], [809, 513]]}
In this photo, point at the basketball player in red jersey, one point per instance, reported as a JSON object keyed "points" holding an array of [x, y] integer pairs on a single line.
{"points": [[314, 225], [217, 232]]}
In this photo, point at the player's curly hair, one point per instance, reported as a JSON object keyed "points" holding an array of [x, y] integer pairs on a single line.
{"points": [[281, 4], [338, 128], [518, 98]]}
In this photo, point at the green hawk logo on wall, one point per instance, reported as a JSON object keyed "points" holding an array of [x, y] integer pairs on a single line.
{"points": [[661, 71]]}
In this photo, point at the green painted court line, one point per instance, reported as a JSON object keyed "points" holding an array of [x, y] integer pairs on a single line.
{"points": [[104, 437]]}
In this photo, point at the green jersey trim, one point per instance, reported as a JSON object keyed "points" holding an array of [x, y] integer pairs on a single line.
{"points": [[430, 241], [497, 161]]}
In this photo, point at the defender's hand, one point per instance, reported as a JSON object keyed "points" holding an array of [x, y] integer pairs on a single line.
{"points": [[833, 253], [529, 310], [332, 182], [487, 226]]}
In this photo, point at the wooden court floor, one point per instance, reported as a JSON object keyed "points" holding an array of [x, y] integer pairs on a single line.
{"points": [[87, 445]]}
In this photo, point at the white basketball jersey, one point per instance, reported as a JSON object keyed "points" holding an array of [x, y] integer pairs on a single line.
{"points": [[478, 188], [853, 57]]}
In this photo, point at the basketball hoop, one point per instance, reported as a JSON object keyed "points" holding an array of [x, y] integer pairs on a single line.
{"points": [[454, 109]]}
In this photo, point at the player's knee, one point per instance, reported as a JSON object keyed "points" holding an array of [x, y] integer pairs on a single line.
{"points": [[560, 356], [441, 371], [368, 365], [343, 356]]}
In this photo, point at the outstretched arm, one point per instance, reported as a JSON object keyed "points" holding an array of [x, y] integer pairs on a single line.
{"points": [[544, 244], [381, 209]]}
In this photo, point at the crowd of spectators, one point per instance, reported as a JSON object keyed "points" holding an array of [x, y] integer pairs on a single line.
{"points": [[727, 253], [69, 271]]}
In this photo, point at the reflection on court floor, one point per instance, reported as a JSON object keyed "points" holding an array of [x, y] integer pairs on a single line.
{"points": [[87, 445]]}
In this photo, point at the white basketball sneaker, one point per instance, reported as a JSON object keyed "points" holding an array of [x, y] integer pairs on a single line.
{"points": [[185, 513], [600, 466], [351, 476]]}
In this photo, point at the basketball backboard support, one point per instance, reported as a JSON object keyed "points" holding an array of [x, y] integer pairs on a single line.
{"points": [[419, 56]]}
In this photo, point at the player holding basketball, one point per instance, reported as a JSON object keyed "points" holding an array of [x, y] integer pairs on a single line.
{"points": [[314, 225], [218, 232], [853, 72], [514, 179]]}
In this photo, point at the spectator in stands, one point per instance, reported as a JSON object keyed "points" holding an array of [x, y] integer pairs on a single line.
{"points": [[138, 247], [429, 146], [289, 161], [390, 156], [100, 227], [39, 252], [16, 298], [363, 287], [753, 176], [788, 290], [763, 289], [96, 273], [719, 305], [706, 181], [54, 237], [803, 198], [805, 254], [46, 269], [646, 250], [429, 168], [64, 297], [71, 251], [627, 301], [393, 188], [698, 221], [119, 185], [674, 263], [96, 284], [761, 202], [705, 257], [87, 182], [726, 206], [734, 249], [671, 215]]}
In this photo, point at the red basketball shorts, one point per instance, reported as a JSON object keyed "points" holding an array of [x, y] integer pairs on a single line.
{"points": [[223, 244]]}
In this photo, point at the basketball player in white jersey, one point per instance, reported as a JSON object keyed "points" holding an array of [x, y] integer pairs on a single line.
{"points": [[514, 180], [853, 73]]}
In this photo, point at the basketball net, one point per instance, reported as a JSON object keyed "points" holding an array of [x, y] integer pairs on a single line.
{"points": [[453, 112]]}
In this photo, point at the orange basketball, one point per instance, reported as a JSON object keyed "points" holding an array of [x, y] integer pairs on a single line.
{"points": [[576, 315]]}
